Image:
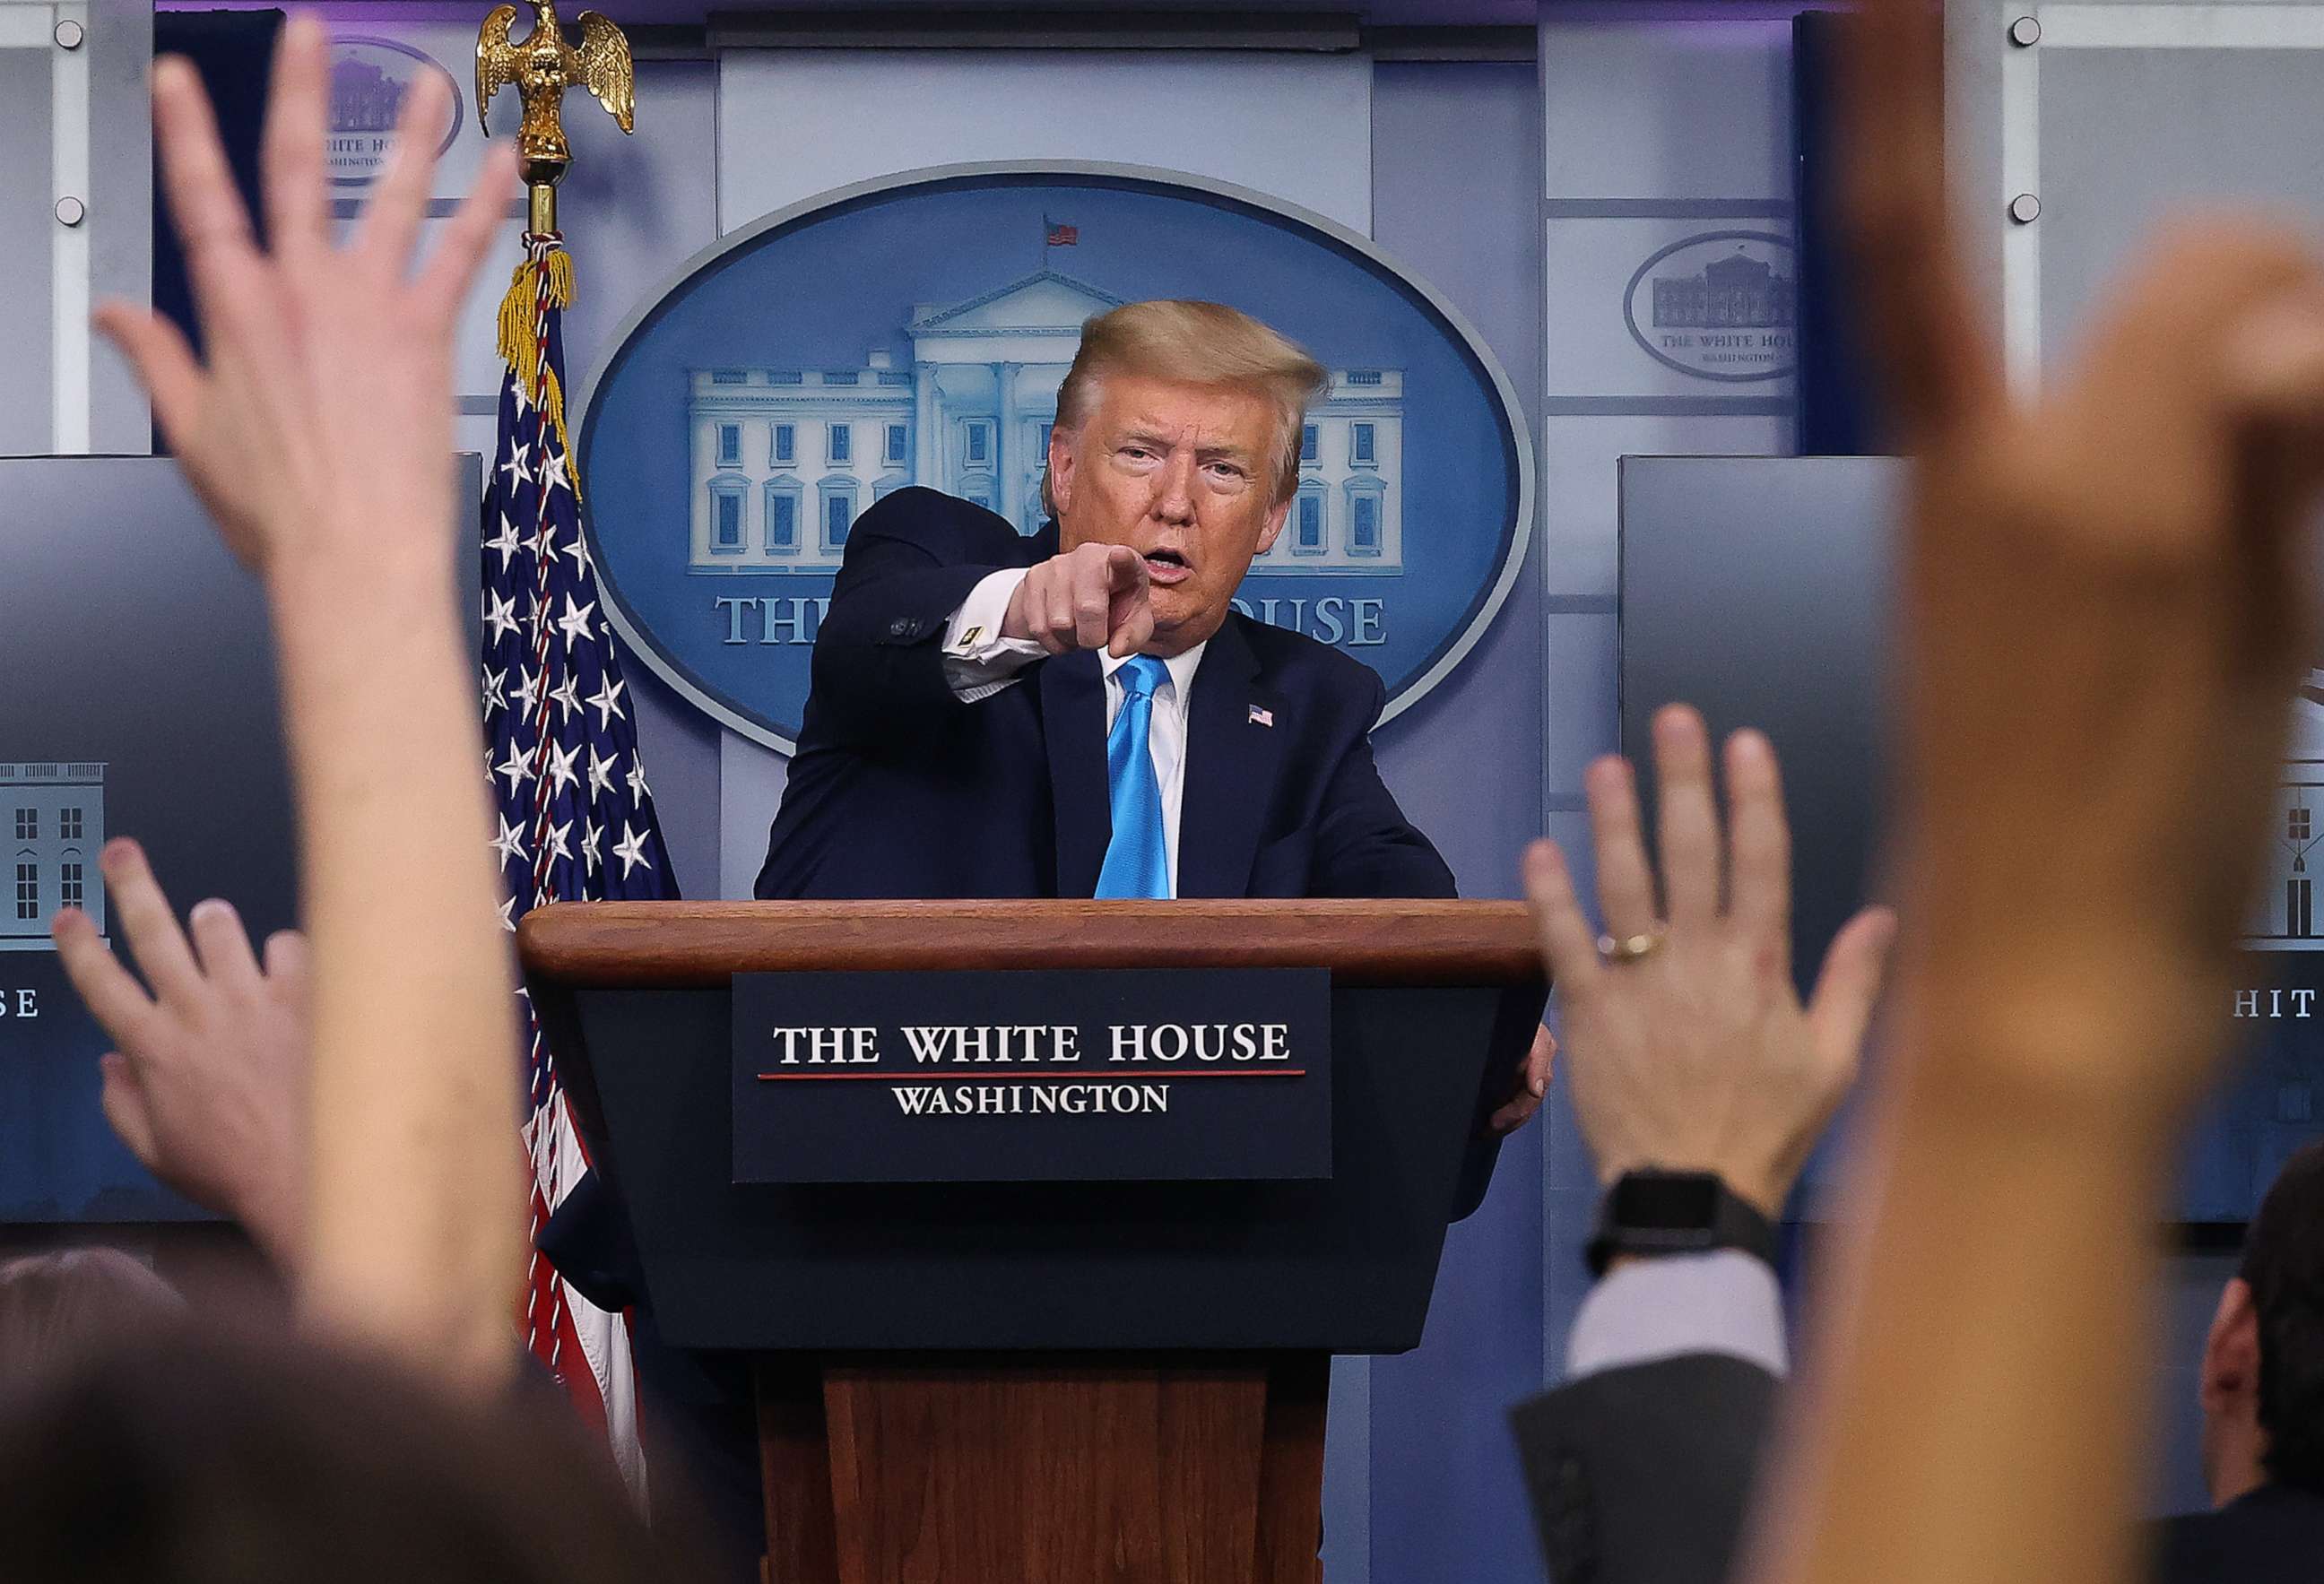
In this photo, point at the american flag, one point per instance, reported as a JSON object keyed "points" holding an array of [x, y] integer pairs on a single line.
{"points": [[575, 818], [1060, 234]]}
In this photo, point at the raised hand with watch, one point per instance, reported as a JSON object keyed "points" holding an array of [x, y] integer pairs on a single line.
{"points": [[1700, 1081], [1700, 1084]]}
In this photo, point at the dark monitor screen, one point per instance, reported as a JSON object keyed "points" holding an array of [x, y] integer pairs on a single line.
{"points": [[1758, 589], [137, 698]]}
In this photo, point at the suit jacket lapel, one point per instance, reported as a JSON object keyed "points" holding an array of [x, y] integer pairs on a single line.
{"points": [[1231, 766], [1073, 725]]}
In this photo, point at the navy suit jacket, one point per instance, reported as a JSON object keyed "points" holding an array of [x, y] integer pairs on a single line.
{"points": [[1643, 1474], [899, 789], [2273, 1535]]}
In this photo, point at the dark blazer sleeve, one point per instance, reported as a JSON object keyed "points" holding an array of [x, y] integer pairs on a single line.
{"points": [[1364, 846], [878, 669], [1642, 1474]]}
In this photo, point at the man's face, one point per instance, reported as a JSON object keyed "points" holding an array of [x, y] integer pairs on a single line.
{"points": [[1185, 476]]}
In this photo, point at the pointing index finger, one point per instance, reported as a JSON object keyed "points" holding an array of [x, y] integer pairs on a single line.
{"points": [[1125, 567]]}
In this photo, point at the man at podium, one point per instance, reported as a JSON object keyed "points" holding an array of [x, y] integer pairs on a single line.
{"points": [[1080, 713]]}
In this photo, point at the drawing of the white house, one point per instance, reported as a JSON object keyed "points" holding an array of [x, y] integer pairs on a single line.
{"points": [[2289, 919], [785, 459], [53, 815]]}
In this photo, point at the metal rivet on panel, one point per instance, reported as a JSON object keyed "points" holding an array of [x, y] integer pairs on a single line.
{"points": [[71, 33], [2025, 208], [2024, 32], [71, 210]]}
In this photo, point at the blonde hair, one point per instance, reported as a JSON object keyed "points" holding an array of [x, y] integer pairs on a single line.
{"points": [[1195, 344]]}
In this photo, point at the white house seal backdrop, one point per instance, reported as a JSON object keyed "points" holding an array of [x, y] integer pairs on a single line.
{"points": [[915, 331]]}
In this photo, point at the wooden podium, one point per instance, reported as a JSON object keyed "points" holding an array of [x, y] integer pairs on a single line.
{"points": [[1042, 1383]]}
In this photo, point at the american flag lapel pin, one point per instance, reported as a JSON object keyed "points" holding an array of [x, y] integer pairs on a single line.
{"points": [[1260, 717]]}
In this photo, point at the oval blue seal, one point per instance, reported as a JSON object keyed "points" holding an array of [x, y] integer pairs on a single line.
{"points": [[369, 79], [1719, 305], [915, 331]]}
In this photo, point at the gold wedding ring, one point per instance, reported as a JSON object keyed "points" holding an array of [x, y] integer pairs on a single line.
{"points": [[1617, 948]]}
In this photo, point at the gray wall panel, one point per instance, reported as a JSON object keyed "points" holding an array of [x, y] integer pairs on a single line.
{"points": [[634, 209], [2130, 136], [26, 223], [1455, 190], [121, 164]]}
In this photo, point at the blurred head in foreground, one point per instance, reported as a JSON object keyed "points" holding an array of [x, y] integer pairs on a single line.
{"points": [[2262, 1386], [198, 1458], [54, 1307]]}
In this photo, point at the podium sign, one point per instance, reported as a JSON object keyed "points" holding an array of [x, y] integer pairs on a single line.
{"points": [[1108, 1074]]}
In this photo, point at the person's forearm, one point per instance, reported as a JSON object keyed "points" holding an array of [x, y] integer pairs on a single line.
{"points": [[272, 1214], [401, 906], [2004, 1269]]}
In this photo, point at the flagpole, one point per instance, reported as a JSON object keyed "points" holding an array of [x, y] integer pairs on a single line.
{"points": [[540, 70], [539, 666]]}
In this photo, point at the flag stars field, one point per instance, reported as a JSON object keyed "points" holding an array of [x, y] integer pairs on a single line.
{"points": [[554, 816]]}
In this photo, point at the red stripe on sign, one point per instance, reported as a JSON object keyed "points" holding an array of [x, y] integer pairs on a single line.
{"points": [[998, 1077]]}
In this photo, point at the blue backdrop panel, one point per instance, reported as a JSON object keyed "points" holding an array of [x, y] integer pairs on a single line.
{"points": [[1446, 1503], [140, 700], [1835, 413], [1758, 590], [232, 51]]}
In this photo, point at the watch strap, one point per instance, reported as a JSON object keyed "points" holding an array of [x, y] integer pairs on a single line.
{"points": [[1732, 1222]]}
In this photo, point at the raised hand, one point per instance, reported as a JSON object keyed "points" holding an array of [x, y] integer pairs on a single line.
{"points": [[1697, 1055], [315, 427], [1092, 596], [2105, 610], [209, 1085], [318, 430]]}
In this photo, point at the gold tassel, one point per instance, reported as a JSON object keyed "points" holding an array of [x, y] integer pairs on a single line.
{"points": [[520, 342]]}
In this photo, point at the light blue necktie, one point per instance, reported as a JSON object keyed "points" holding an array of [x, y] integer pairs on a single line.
{"points": [[1137, 861]]}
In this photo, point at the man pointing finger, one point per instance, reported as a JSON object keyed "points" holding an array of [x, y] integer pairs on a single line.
{"points": [[1081, 712]]}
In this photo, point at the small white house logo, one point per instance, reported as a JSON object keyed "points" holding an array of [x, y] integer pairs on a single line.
{"points": [[52, 819], [1721, 306], [2289, 916], [369, 78]]}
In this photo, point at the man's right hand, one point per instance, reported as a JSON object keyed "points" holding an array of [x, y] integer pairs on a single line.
{"points": [[1092, 596], [1698, 1055]]}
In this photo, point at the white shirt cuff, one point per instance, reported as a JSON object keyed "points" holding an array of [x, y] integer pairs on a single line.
{"points": [[978, 662], [1724, 1302]]}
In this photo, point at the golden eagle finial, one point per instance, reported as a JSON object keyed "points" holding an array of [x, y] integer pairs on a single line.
{"points": [[542, 67]]}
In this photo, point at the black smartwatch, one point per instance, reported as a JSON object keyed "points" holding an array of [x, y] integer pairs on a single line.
{"points": [[1676, 1212]]}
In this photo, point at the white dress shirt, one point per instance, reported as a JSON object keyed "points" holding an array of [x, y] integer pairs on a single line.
{"points": [[978, 663], [1723, 1301]]}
